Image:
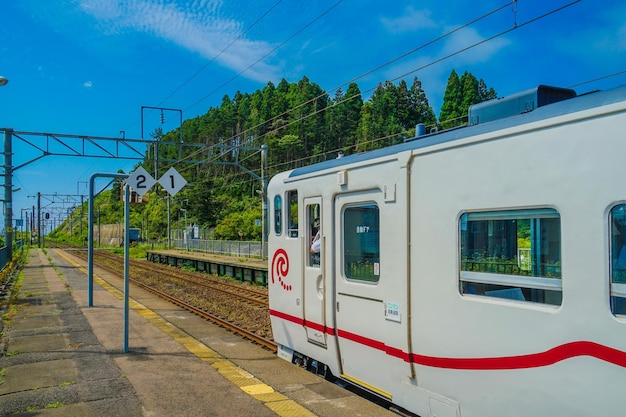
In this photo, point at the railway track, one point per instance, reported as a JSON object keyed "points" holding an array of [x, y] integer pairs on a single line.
{"points": [[234, 306], [249, 294], [267, 343]]}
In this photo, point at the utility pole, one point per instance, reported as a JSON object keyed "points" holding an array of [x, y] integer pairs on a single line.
{"points": [[8, 192]]}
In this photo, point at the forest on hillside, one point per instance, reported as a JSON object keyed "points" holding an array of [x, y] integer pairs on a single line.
{"points": [[300, 124]]}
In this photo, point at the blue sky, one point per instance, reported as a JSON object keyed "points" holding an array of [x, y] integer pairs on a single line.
{"points": [[86, 67]]}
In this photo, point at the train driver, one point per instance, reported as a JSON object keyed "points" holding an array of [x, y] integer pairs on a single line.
{"points": [[316, 244]]}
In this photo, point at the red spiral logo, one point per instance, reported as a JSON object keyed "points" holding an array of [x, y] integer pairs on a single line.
{"points": [[280, 267]]}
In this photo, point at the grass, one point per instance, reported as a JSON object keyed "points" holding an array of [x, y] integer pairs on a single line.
{"points": [[12, 311], [57, 404], [135, 251]]}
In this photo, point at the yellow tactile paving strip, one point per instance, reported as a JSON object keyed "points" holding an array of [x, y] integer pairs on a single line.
{"points": [[275, 401]]}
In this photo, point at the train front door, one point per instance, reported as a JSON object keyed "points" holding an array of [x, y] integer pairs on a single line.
{"points": [[314, 280], [371, 291]]}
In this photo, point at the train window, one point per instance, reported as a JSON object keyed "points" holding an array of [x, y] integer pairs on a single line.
{"points": [[292, 213], [618, 259], [314, 231], [512, 254], [361, 242], [278, 215]]}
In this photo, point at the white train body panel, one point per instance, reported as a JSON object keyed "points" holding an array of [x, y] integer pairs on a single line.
{"points": [[429, 317]]}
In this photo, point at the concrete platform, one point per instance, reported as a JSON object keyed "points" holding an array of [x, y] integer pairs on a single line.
{"points": [[62, 358]]}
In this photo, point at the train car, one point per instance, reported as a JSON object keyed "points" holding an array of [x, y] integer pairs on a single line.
{"points": [[474, 272], [134, 235]]}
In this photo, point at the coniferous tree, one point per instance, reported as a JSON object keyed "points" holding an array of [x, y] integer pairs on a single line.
{"points": [[486, 93], [343, 119], [461, 93], [280, 104], [365, 131], [336, 128], [452, 99], [354, 103], [402, 108], [471, 95], [421, 111]]}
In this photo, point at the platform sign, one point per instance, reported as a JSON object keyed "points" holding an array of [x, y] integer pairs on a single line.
{"points": [[140, 181], [172, 181]]}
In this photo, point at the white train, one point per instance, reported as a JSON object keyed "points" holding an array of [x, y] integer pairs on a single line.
{"points": [[474, 272]]}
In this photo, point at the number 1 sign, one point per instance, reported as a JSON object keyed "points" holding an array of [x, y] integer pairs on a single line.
{"points": [[172, 181]]}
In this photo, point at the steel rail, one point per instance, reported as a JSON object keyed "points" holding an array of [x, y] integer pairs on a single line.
{"points": [[266, 343]]}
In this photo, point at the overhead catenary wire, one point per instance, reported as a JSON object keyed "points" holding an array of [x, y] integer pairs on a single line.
{"points": [[517, 25], [369, 72], [615, 74]]}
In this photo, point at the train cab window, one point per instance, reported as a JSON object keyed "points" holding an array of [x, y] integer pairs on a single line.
{"points": [[361, 242], [314, 234], [292, 213], [278, 215], [618, 259], [512, 254]]}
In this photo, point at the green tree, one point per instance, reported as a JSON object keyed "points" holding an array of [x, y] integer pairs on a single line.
{"points": [[343, 119], [421, 111], [461, 93], [486, 93], [240, 225], [470, 94], [450, 114], [365, 132]]}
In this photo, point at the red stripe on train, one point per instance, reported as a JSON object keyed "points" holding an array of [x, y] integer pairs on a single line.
{"points": [[298, 320], [533, 360]]}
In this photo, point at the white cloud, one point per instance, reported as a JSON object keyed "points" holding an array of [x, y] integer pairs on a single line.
{"points": [[411, 21], [87, 84], [199, 28], [476, 51]]}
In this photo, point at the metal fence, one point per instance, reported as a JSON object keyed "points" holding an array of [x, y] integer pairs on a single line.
{"points": [[244, 249]]}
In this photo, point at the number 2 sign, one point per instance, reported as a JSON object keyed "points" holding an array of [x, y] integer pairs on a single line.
{"points": [[141, 181]]}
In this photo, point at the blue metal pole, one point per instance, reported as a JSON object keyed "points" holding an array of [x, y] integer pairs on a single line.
{"points": [[90, 244], [126, 261], [90, 232]]}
